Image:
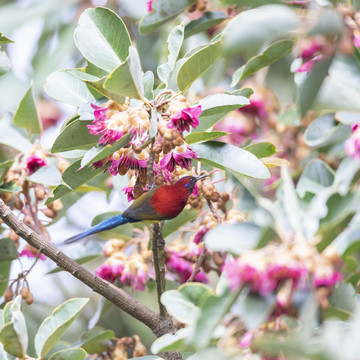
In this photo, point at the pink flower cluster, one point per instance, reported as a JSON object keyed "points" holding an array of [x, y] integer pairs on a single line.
{"points": [[352, 144], [270, 278]]}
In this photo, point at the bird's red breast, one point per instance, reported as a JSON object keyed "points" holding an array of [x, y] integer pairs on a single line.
{"points": [[169, 200]]}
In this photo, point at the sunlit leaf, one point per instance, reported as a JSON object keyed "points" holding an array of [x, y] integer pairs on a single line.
{"points": [[208, 20]]}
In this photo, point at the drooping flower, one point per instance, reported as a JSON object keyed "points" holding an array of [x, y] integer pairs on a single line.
{"points": [[185, 118], [110, 271], [356, 38], [31, 252], [149, 5], [180, 156], [135, 272], [129, 192], [352, 144], [326, 276], [113, 121], [256, 107], [246, 339], [308, 65], [34, 163], [128, 159]]}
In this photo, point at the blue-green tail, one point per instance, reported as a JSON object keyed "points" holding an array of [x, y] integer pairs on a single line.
{"points": [[102, 226]]}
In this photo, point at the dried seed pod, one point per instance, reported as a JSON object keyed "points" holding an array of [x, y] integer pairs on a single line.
{"points": [[8, 294], [30, 298], [166, 146], [201, 5], [18, 204], [50, 213], [24, 292], [215, 196], [138, 191], [40, 193]]}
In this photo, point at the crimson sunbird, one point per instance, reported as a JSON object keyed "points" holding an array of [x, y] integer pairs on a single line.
{"points": [[161, 203]]}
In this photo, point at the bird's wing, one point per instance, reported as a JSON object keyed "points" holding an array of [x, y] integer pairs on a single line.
{"points": [[141, 208]]}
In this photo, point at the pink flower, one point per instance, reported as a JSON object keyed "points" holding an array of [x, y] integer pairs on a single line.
{"points": [[327, 280], [129, 192], [356, 38], [352, 144], [309, 48], [308, 65], [110, 272], [149, 5], [31, 252], [185, 118], [34, 163], [246, 339], [239, 274], [97, 164], [183, 268], [199, 236], [180, 156], [256, 107], [280, 273], [129, 160], [135, 279]]}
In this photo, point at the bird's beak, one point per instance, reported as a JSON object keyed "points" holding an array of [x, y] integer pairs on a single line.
{"points": [[201, 177]]}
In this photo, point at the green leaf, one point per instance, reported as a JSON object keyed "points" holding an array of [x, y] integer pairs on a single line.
{"points": [[52, 328], [26, 115], [347, 118], [8, 250], [196, 293], [316, 176], [96, 86], [247, 92], [148, 80], [347, 242], [343, 299], [229, 157], [213, 311], [101, 152], [96, 340], [11, 341], [75, 176], [4, 275], [75, 136], [271, 54], [208, 20], [5, 64], [72, 353], [324, 131], [186, 216], [13, 334], [126, 80], [3, 355], [216, 107], [236, 238], [261, 149], [80, 260], [171, 342], [329, 23], [179, 307], [203, 136], [46, 175], [65, 87], [11, 137], [10, 187], [174, 42], [102, 38], [310, 87], [60, 191], [4, 39], [196, 65], [247, 32], [162, 10]]}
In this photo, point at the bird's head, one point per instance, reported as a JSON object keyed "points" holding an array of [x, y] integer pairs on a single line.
{"points": [[190, 181]]}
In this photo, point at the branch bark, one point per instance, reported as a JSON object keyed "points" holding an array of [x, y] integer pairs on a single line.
{"points": [[115, 295]]}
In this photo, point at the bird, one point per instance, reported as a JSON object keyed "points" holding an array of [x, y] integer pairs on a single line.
{"points": [[160, 203]]}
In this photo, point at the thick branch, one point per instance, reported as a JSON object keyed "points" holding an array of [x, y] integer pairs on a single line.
{"points": [[115, 295]]}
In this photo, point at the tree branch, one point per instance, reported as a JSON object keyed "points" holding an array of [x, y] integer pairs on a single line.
{"points": [[115, 295]]}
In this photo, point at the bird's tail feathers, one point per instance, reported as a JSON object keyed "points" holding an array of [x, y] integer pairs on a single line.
{"points": [[102, 226]]}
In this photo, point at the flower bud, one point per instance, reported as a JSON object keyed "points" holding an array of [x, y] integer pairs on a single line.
{"points": [[18, 204], [24, 292], [40, 193], [30, 299], [8, 294], [50, 213]]}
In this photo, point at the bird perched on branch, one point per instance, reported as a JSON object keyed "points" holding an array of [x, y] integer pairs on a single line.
{"points": [[161, 203]]}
